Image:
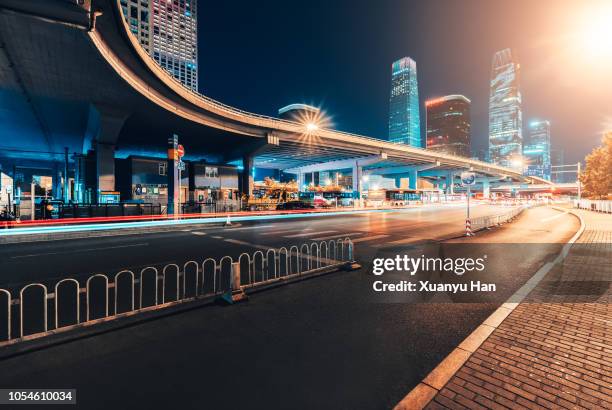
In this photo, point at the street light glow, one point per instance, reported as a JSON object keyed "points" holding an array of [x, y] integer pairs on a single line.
{"points": [[311, 126], [597, 33]]}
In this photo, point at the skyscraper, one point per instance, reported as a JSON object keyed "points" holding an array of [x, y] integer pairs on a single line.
{"points": [[505, 115], [557, 158], [536, 150], [168, 31], [448, 125], [404, 121]]}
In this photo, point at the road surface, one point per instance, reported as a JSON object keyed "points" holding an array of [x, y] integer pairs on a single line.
{"points": [[321, 343]]}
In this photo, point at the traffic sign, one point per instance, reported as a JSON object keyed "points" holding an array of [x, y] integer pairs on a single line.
{"points": [[468, 178], [181, 165], [180, 150]]}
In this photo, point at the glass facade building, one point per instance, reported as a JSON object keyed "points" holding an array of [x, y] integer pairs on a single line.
{"points": [[404, 120], [448, 125], [536, 150], [505, 115], [167, 29]]}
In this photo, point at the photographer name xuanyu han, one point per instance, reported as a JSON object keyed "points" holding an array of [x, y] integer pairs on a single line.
{"points": [[410, 265]]}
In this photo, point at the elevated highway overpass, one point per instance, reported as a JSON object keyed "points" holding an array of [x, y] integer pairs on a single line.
{"points": [[72, 75]]}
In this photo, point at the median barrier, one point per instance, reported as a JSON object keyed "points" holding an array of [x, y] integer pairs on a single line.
{"points": [[77, 303]]}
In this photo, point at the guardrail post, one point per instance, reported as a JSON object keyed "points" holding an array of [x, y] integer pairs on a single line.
{"points": [[236, 292]]}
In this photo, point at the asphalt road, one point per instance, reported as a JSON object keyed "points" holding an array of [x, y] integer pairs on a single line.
{"points": [[27, 262], [323, 343]]}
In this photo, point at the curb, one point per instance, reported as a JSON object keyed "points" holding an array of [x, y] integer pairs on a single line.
{"points": [[424, 392]]}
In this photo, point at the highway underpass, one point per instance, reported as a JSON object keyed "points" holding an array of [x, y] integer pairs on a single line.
{"points": [[77, 87]]}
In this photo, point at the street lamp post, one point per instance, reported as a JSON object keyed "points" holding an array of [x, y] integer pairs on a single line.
{"points": [[579, 182]]}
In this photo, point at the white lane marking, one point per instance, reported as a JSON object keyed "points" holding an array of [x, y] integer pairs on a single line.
{"points": [[216, 237], [285, 231], [247, 227], [198, 233], [402, 241], [238, 242], [550, 218], [299, 235], [79, 250], [323, 238], [369, 238]]}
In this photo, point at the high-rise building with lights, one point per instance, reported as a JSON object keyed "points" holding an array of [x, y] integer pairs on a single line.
{"points": [[404, 120], [448, 125], [536, 150], [505, 115], [167, 29]]}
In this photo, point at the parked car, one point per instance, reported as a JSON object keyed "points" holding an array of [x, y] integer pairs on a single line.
{"points": [[294, 205]]}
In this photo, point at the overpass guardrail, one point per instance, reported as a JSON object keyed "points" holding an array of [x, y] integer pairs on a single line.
{"points": [[602, 205], [40, 309]]}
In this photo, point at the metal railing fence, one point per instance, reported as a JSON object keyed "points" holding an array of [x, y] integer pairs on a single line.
{"points": [[594, 205], [37, 309], [483, 222], [74, 210]]}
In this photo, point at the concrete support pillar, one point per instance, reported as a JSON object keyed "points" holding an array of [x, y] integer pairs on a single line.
{"points": [[301, 181], [105, 167], [398, 182], [413, 178], [486, 189], [246, 178], [56, 188], [357, 172], [450, 183], [109, 122]]}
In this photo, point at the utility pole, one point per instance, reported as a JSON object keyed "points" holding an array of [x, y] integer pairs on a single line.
{"points": [[33, 199], [65, 185]]}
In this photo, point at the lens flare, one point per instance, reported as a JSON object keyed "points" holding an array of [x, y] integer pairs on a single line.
{"points": [[596, 38]]}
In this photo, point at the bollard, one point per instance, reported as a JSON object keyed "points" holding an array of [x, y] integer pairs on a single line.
{"points": [[468, 228], [228, 221]]}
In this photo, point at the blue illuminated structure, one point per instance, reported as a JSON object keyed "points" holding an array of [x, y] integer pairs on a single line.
{"points": [[404, 120], [505, 115], [536, 150]]}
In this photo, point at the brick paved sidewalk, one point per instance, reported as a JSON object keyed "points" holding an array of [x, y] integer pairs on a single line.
{"points": [[555, 349]]}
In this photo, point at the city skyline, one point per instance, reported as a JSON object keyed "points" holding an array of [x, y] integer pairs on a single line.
{"points": [[357, 99]]}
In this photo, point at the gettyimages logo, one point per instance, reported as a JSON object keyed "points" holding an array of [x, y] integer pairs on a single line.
{"points": [[410, 265]]}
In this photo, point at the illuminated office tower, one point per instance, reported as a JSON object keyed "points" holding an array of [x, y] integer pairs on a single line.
{"points": [[505, 116], [167, 29], [536, 150], [404, 121], [448, 125]]}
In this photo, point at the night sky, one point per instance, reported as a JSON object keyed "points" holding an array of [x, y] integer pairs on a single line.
{"points": [[337, 54]]}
